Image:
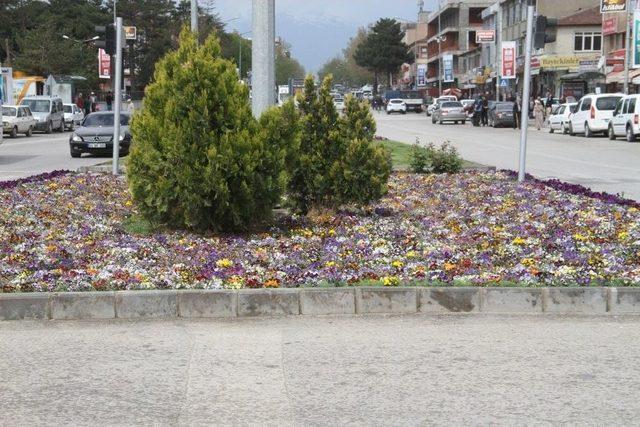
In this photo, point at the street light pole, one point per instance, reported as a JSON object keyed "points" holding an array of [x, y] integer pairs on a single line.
{"points": [[263, 80], [439, 40], [194, 16], [627, 55], [525, 95]]}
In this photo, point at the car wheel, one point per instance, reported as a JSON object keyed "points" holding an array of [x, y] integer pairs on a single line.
{"points": [[75, 154], [631, 137], [564, 128], [404, 112], [611, 133], [550, 128], [73, 126], [49, 128], [14, 132], [571, 132], [440, 122], [587, 131], [61, 128], [388, 113], [29, 131], [464, 122], [433, 120]]}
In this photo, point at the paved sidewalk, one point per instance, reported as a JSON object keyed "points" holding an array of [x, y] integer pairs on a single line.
{"points": [[404, 370]]}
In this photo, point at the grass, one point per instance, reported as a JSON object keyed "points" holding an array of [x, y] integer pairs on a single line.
{"points": [[138, 226], [401, 156]]}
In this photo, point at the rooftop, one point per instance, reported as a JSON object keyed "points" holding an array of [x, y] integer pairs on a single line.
{"points": [[590, 16]]}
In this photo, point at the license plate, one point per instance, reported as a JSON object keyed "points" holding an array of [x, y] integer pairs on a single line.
{"points": [[97, 145]]}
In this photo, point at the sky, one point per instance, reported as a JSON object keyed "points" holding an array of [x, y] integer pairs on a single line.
{"points": [[318, 30]]}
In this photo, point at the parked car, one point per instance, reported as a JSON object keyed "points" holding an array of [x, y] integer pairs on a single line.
{"points": [[48, 112], [17, 119], [626, 119], [436, 101], [73, 116], [501, 114], [338, 102], [449, 111], [95, 136], [593, 114], [396, 105], [559, 121]]}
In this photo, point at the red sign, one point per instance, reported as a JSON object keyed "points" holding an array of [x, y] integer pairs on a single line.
{"points": [[609, 26], [508, 60], [104, 64], [485, 36]]}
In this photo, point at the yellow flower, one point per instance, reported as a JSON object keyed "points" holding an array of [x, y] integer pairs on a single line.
{"points": [[224, 263], [332, 232], [391, 281], [330, 264], [623, 235], [519, 241], [528, 262], [397, 264], [579, 237], [272, 283], [449, 266], [412, 254]]}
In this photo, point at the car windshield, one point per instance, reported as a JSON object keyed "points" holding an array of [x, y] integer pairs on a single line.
{"points": [[412, 94], [37, 105], [504, 107], [396, 101], [68, 109], [450, 104], [9, 111], [96, 120], [607, 103], [338, 100]]}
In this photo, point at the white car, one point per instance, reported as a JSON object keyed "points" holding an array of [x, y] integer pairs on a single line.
{"points": [[593, 114], [435, 102], [559, 121], [396, 106], [338, 103], [17, 119], [73, 116], [626, 119]]}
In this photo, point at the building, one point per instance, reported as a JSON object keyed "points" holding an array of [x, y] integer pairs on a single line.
{"points": [[614, 35], [452, 33], [415, 36]]}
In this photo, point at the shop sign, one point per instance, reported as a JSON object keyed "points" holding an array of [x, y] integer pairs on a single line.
{"points": [[104, 64], [422, 75], [588, 65], [609, 26], [508, 60], [636, 39], [613, 6], [447, 61], [559, 62], [485, 36]]}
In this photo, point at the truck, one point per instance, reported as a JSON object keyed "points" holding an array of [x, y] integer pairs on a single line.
{"points": [[412, 99]]}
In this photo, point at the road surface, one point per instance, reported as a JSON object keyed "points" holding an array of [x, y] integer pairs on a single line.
{"points": [[333, 371], [598, 163]]}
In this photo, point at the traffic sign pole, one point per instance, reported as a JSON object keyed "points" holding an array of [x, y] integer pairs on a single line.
{"points": [[525, 95], [118, 97]]}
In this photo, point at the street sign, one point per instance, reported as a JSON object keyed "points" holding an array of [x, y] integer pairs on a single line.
{"points": [[503, 83], [130, 33], [508, 60], [485, 36], [447, 61], [104, 64], [613, 6]]}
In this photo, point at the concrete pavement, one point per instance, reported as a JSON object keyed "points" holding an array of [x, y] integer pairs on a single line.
{"points": [[22, 156], [396, 370], [598, 163]]}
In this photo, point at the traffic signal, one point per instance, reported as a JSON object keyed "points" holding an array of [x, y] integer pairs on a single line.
{"points": [[545, 31], [107, 40]]}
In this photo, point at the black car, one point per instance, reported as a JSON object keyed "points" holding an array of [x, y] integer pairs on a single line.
{"points": [[95, 136], [501, 114]]}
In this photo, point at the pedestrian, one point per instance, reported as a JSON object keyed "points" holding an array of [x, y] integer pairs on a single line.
{"points": [[485, 111], [477, 111], [80, 101], [538, 113], [109, 100], [93, 101], [130, 107], [87, 106], [517, 114], [549, 104]]}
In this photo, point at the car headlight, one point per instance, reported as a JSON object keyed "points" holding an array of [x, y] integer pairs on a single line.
{"points": [[76, 138]]}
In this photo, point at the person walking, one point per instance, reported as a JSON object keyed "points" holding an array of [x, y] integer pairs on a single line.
{"points": [[477, 111], [517, 114], [94, 101], [485, 111], [80, 102], [109, 100], [87, 106], [538, 114]]}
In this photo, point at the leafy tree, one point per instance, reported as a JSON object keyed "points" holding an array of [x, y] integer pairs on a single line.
{"points": [[383, 51], [344, 68], [337, 67], [287, 67], [201, 161]]}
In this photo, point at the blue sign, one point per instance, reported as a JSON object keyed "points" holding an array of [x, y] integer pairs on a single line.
{"points": [[447, 62], [503, 83]]}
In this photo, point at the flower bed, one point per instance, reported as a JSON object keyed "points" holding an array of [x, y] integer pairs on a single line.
{"points": [[66, 232]]}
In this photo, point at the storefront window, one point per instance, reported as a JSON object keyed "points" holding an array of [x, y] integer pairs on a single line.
{"points": [[587, 41]]}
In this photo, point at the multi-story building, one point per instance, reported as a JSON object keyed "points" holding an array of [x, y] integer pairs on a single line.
{"points": [[614, 27], [452, 31], [415, 36]]}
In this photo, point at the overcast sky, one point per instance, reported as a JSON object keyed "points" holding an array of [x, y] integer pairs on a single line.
{"points": [[319, 29]]}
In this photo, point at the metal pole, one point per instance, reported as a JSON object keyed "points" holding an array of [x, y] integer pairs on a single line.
{"points": [[263, 53], [627, 55], [498, 61], [194, 16], [240, 60], [525, 95], [439, 40], [118, 97]]}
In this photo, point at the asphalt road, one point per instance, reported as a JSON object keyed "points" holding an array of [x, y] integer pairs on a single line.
{"points": [[409, 370], [22, 156], [598, 163]]}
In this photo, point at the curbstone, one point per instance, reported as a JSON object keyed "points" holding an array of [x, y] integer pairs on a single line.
{"points": [[512, 300], [449, 300], [576, 300], [83, 305], [24, 306], [624, 301], [387, 300], [146, 304], [271, 302], [324, 301], [206, 304]]}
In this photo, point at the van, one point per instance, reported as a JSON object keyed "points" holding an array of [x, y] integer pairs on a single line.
{"points": [[626, 119], [48, 112], [593, 114]]}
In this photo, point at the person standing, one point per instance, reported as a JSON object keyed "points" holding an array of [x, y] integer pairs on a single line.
{"points": [[538, 114], [485, 111], [109, 100], [94, 101], [80, 102], [87, 106], [517, 114]]}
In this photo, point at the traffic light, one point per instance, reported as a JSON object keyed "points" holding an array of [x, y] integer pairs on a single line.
{"points": [[107, 40], [545, 31]]}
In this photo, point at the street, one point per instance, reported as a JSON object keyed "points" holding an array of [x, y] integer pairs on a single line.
{"points": [[598, 163], [377, 370], [22, 156]]}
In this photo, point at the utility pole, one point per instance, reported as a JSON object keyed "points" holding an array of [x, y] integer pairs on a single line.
{"points": [[194, 16], [263, 77], [498, 60], [525, 94], [118, 97], [439, 40], [628, 53]]}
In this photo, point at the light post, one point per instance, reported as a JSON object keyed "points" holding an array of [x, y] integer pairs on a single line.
{"points": [[240, 52], [80, 43], [439, 40]]}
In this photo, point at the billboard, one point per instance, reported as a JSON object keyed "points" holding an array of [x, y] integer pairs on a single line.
{"points": [[613, 6], [635, 46], [447, 65], [508, 60], [485, 36], [422, 75], [104, 64]]}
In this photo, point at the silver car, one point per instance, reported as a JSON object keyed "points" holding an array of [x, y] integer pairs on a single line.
{"points": [[449, 111], [48, 112]]}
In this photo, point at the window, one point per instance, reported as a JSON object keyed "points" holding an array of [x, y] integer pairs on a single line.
{"points": [[607, 103], [586, 104], [625, 108], [587, 41], [618, 108], [632, 106]]}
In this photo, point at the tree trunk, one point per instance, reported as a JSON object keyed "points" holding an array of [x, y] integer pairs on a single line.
{"points": [[375, 83]]}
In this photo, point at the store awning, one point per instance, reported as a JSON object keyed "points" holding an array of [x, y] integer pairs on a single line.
{"points": [[583, 75], [618, 76]]}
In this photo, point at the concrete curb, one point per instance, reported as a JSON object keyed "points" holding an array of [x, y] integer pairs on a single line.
{"points": [[191, 304]]}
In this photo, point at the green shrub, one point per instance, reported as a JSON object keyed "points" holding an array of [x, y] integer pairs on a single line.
{"points": [[419, 161], [199, 159], [432, 159], [337, 162]]}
